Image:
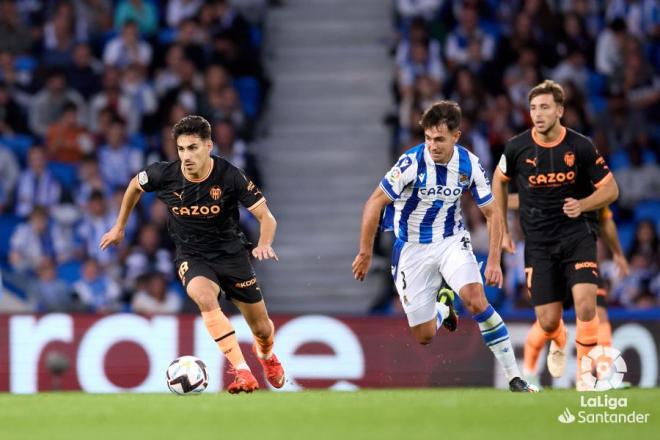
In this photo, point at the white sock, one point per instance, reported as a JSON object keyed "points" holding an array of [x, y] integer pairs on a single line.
{"points": [[496, 337], [442, 313]]}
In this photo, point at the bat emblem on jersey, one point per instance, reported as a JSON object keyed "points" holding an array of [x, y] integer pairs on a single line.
{"points": [[179, 195], [215, 192], [569, 158], [531, 161]]}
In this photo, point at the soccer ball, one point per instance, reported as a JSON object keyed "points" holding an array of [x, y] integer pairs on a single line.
{"points": [[187, 375]]}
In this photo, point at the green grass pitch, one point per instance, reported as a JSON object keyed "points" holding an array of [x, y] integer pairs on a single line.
{"points": [[366, 414]]}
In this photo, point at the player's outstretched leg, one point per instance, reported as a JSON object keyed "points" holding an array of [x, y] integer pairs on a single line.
{"points": [[205, 293], [263, 349], [495, 335], [263, 330], [447, 315]]}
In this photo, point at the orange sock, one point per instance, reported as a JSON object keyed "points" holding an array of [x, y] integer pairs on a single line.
{"points": [[265, 345], [604, 333], [586, 338], [224, 335], [536, 339], [559, 335]]}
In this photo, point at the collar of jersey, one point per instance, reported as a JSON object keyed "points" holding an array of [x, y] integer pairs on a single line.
{"points": [[553, 144]]}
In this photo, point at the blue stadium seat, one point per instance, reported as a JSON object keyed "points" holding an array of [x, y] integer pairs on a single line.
{"points": [[7, 225], [19, 144], [626, 233], [648, 210], [69, 272], [65, 173], [249, 93]]}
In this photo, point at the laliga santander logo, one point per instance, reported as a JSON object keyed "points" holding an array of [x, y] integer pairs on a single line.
{"points": [[608, 366]]}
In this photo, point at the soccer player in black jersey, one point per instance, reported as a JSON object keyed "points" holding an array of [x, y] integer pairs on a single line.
{"points": [[556, 170], [202, 193]]}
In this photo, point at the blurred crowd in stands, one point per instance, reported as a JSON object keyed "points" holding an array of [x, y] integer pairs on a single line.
{"points": [[89, 91], [488, 54]]}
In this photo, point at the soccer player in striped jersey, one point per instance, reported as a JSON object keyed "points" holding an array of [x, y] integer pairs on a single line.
{"points": [[423, 192]]}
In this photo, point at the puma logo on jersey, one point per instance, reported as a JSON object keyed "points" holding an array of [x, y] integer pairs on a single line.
{"points": [[531, 161], [179, 195]]}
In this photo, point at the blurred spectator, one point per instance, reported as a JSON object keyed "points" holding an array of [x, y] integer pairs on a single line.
{"points": [[96, 291], [178, 10], [619, 125], [96, 221], [143, 13], [16, 38], [189, 92], [574, 36], [231, 23], [637, 78], [66, 141], [90, 180], [190, 38], [228, 145], [168, 78], [9, 171], [119, 162], [36, 185], [419, 61], [84, 72], [467, 32], [148, 256], [94, 16], [37, 239], [110, 98], [472, 139], [48, 104], [573, 68], [609, 48], [646, 244], [409, 9], [127, 48], [224, 104], [48, 293], [154, 297], [60, 34], [12, 119], [141, 95], [641, 16]]}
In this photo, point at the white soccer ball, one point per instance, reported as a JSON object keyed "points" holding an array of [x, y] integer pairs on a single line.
{"points": [[187, 375]]}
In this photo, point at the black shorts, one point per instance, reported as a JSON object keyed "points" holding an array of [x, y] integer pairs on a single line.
{"points": [[553, 269], [233, 273]]}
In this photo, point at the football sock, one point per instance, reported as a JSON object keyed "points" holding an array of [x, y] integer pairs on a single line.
{"points": [[559, 335], [605, 334], [496, 337], [224, 335], [536, 339], [442, 311], [265, 345], [586, 338]]}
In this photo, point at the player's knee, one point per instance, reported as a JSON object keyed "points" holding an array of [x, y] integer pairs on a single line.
{"points": [[585, 313], [262, 330], [549, 322], [474, 300], [205, 298]]}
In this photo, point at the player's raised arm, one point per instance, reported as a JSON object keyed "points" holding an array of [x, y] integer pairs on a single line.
{"points": [[268, 225], [370, 218], [116, 234]]}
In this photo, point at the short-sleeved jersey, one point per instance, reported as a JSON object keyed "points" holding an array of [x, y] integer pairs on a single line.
{"points": [[203, 214], [547, 174], [426, 196]]}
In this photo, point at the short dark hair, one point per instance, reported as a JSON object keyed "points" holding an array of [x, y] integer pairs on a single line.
{"points": [[443, 112], [547, 87], [192, 125]]}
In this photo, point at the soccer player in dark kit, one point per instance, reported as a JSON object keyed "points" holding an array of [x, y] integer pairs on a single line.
{"points": [[562, 181], [202, 192]]}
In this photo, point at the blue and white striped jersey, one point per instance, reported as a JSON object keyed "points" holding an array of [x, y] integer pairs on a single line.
{"points": [[427, 195]]}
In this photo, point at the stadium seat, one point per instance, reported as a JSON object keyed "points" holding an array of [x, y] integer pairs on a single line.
{"points": [[7, 225], [65, 173], [648, 210], [19, 144], [69, 272], [249, 93], [626, 233]]}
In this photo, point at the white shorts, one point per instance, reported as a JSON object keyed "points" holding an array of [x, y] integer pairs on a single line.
{"points": [[418, 270]]}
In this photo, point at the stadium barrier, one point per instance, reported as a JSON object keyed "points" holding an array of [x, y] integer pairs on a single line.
{"points": [[127, 352]]}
